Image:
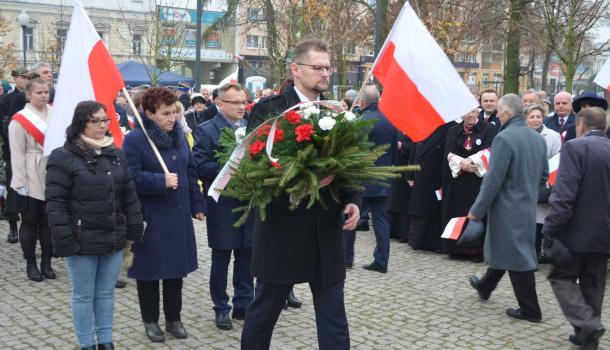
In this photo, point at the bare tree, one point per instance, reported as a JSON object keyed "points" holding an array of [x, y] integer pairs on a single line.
{"points": [[568, 27], [7, 49]]}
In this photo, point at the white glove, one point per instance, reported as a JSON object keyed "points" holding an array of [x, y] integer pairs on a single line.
{"points": [[23, 191]]}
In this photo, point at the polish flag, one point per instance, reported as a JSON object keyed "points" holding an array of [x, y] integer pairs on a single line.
{"points": [[603, 76], [553, 167], [421, 88], [453, 230], [87, 72], [231, 78], [486, 157]]}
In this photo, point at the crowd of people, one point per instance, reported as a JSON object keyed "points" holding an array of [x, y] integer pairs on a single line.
{"points": [[101, 207]]}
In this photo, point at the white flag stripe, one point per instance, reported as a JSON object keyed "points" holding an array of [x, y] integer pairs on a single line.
{"points": [[603, 76]]}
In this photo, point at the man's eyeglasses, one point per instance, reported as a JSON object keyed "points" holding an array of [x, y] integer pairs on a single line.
{"points": [[99, 121], [319, 69], [236, 103]]}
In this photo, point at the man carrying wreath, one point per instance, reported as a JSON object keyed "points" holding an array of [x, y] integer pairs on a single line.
{"points": [[302, 245]]}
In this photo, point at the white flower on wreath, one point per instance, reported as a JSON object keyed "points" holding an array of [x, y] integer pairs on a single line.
{"points": [[326, 123], [240, 134], [310, 111], [349, 116]]}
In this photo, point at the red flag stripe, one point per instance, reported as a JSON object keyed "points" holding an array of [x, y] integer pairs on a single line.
{"points": [[414, 115], [30, 128], [107, 81]]}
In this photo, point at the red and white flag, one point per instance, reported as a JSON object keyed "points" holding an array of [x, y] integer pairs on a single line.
{"points": [[453, 230], [231, 78], [421, 88], [553, 167], [87, 72], [486, 157], [603, 76]]}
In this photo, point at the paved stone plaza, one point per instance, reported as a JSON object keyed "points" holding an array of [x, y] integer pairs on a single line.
{"points": [[423, 302]]}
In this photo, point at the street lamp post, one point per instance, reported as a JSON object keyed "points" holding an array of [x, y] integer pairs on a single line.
{"points": [[24, 20], [197, 76]]}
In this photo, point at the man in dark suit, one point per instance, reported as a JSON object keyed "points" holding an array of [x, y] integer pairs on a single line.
{"points": [[574, 218], [301, 245], [489, 104], [223, 238], [375, 197], [563, 118]]}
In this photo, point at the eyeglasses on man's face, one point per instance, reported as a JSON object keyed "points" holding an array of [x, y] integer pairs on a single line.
{"points": [[319, 68], [236, 103]]}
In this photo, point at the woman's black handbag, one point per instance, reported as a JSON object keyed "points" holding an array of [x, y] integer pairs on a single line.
{"points": [[473, 231]]}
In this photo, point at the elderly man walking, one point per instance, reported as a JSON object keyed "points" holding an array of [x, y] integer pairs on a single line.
{"points": [[509, 195], [578, 218]]}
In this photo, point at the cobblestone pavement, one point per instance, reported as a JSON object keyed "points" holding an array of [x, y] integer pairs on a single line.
{"points": [[423, 302]]}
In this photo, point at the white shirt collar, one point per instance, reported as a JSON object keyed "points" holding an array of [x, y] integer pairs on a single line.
{"points": [[302, 97]]}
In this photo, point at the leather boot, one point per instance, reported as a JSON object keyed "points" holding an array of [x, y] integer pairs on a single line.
{"points": [[92, 347], [45, 268], [33, 272], [292, 300], [13, 237], [106, 346]]}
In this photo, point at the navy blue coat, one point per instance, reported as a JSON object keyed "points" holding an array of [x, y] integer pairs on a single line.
{"points": [[220, 219], [168, 250], [553, 124], [382, 133]]}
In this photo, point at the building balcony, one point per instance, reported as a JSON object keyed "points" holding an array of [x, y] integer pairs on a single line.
{"points": [[469, 65]]}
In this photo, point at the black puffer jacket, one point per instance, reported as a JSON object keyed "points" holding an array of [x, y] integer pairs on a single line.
{"points": [[92, 204]]}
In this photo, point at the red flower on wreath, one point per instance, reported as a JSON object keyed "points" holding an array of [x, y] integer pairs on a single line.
{"points": [[304, 132], [263, 130], [293, 117], [279, 135], [277, 165], [256, 147]]}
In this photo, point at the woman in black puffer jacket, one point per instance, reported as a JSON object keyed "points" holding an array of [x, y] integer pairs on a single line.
{"points": [[93, 211]]}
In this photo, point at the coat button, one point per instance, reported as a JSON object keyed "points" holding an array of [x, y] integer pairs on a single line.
{"points": [[109, 173]]}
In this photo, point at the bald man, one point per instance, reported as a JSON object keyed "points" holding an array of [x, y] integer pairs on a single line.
{"points": [[563, 118]]}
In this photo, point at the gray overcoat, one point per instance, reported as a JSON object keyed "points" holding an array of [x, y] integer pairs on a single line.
{"points": [[509, 194]]}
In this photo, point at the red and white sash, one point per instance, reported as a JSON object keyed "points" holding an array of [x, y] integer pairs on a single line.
{"points": [[32, 123]]}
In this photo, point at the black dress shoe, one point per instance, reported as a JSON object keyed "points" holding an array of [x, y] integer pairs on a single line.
{"points": [[154, 332], [239, 314], [518, 314], [105, 346], [33, 272], [120, 284], [176, 328], [403, 240], [375, 267], [474, 283], [349, 265], [293, 301], [13, 237], [575, 340], [223, 322], [47, 270], [92, 347], [591, 340]]}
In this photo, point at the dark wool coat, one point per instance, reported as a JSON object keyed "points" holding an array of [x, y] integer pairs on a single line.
{"points": [[509, 196], [92, 204], [302, 245], [578, 207], [552, 123], [220, 218], [168, 250], [400, 192], [383, 133]]}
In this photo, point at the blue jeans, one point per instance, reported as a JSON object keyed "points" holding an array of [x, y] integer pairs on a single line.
{"points": [[93, 278]]}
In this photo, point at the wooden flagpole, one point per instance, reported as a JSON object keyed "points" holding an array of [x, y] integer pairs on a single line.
{"points": [[152, 144], [369, 72]]}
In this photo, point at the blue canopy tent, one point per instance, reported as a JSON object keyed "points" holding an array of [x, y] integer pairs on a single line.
{"points": [[136, 74]]}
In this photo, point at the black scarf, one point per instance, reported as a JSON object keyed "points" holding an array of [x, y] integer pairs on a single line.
{"points": [[162, 139]]}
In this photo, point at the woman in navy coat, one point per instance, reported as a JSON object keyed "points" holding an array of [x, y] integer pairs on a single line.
{"points": [[169, 201]]}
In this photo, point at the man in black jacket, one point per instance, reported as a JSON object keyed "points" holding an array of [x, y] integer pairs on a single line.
{"points": [[563, 119], [301, 245], [574, 218]]}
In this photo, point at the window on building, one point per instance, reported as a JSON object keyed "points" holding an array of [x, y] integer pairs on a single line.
{"points": [[255, 41], [29, 38], [101, 34], [137, 44], [61, 37], [213, 40], [256, 14]]}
